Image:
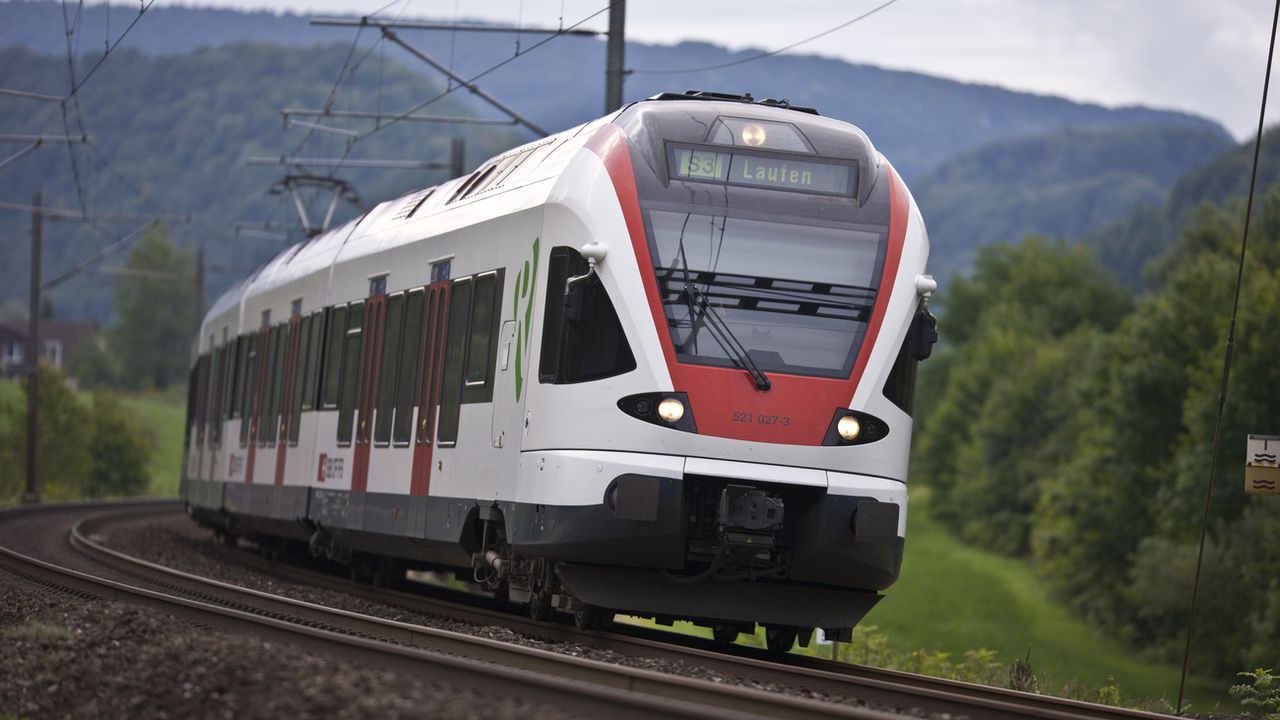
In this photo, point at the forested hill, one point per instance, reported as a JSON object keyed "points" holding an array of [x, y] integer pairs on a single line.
{"points": [[171, 135], [1126, 245], [1066, 184], [915, 119]]}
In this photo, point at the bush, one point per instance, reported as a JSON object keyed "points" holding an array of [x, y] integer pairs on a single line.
{"points": [[119, 447]]}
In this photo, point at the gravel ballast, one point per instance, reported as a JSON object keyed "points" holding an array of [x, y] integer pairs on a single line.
{"points": [[65, 656]]}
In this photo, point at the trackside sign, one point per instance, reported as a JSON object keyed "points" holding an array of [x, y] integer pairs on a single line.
{"points": [[1262, 465]]}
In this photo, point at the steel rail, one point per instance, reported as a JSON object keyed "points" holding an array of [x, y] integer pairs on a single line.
{"points": [[877, 685], [640, 691]]}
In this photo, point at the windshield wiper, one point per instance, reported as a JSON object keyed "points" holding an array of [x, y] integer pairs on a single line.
{"points": [[722, 334]]}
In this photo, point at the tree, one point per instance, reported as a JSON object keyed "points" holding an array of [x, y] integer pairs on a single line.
{"points": [[154, 304]]}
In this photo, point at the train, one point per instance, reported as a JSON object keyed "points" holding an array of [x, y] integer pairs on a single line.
{"points": [[660, 364]]}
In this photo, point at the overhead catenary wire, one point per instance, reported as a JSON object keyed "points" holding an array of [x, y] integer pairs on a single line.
{"points": [[770, 53], [1226, 359]]}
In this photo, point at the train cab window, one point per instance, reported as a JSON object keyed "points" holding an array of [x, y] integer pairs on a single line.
{"points": [[350, 377], [392, 335], [202, 382], [407, 368], [333, 358], [582, 339], [900, 386]]}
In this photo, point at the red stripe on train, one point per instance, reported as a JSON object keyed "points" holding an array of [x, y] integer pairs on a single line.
{"points": [[797, 410]]}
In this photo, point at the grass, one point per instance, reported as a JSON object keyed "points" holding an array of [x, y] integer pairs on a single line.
{"points": [[164, 414], [38, 632], [954, 598]]}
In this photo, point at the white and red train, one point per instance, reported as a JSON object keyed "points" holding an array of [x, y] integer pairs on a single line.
{"points": [[661, 363]]}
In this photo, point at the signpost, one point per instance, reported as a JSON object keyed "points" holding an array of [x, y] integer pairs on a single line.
{"points": [[1262, 465]]}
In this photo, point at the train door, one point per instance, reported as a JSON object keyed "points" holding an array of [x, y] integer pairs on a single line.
{"points": [[503, 400], [367, 389], [431, 358], [289, 389]]}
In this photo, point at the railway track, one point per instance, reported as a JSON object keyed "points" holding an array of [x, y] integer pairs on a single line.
{"points": [[573, 683]]}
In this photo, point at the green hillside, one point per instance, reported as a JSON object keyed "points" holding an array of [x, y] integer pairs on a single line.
{"points": [[1064, 184], [172, 135], [1126, 244], [917, 120]]}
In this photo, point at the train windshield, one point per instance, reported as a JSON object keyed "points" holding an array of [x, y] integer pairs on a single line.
{"points": [[794, 294]]}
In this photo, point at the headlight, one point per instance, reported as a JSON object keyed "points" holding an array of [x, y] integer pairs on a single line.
{"points": [[849, 428], [671, 410]]}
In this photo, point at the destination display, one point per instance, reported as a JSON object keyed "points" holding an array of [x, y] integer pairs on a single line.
{"points": [[783, 173]]}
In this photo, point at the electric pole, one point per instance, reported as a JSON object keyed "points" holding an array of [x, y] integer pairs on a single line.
{"points": [[615, 56], [199, 308], [30, 495], [457, 157]]}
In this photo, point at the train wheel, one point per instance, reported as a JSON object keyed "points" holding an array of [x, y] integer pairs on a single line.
{"points": [[590, 617], [780, 638], [725, 632], [540, 606]]}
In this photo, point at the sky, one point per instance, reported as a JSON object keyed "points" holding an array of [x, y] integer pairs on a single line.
{"points": [[1203, 56]]}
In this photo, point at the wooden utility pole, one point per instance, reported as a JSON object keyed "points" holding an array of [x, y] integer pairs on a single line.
{"points": [[615, 56], [457, 157], [31, 495], [199, 306]]}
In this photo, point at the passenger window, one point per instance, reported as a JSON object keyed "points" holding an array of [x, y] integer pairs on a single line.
{"points": [[407, 368], [241, 372], [250, 388], [333, 358], [454, 358], [301, 365], [311, 371], [351, 351], [391, 337], [479, 343], [582, 339]]}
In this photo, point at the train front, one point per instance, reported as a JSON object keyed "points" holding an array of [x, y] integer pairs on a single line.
{"points": [[735, 308]]}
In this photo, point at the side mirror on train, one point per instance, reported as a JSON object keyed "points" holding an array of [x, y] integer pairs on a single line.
{"points": [[924, 333], [575, 288]]}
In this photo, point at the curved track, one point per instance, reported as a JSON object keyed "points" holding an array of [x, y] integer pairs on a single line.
{"points": [[572, 683]]}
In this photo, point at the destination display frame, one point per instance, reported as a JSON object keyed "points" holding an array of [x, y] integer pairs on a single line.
{"points": [[782, 171]]}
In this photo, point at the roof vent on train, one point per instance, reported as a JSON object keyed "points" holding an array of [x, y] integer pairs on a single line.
{"points": [[745, 98], [414, 202]]}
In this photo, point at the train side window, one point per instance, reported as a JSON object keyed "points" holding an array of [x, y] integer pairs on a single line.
{"points": [[480, 354], [455, 351], [407, 368], [269, 403], [302, 367], [333, 358], [582, 339], [192, 376], [315, 348], [242, 370], [392, 335], [213, 419], [202, 380], [225, 409], [250, 388], [350, 374]]}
